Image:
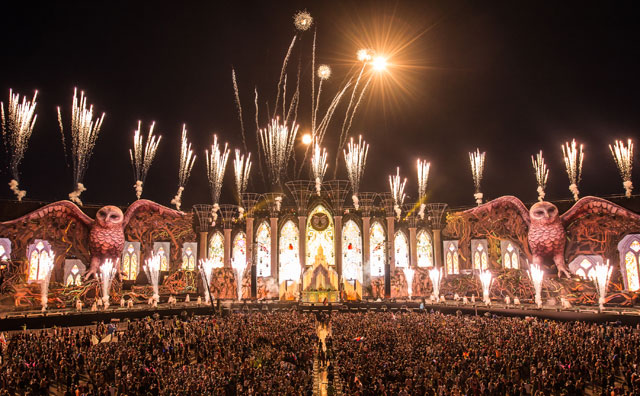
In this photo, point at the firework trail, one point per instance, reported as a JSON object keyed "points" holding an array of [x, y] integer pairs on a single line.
{"points": [[187, 159], [541, 172], [355, 157], [142, 155], [216, 164], [423, 178], [397, 185], [277, 145], [318, 165], [355, 108], [241, 170], [84, 133], [573, 157], [255, 102], [324, 72], [17, 126], [313, 84], [237, 97], [623, 156], [477, 170], [282, 74]]}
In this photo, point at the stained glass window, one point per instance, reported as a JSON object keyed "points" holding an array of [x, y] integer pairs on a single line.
{"points": [[586, 269], [130, 262], [401, 246], [164, 260], [216, 249], [320, 233], [452, 261], [74, 278], [239, 251], [480, 258], [424, 249], [288, 252], [39, 252], [263, 241], [188, 259], [3, 253], [631, 266], [377, 245], [635, 246], [351, 251]]}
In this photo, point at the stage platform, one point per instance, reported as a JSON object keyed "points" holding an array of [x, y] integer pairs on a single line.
{"points": [[10, 321]]}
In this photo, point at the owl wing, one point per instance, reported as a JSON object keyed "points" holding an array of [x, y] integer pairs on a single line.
{"points": [[507, 201], [60, 209], [144, 204], [594, 205]]}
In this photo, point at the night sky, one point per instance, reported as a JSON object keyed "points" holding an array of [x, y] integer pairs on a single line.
{"points": [[508, 77]]}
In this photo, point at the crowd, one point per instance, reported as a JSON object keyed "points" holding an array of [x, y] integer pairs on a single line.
{"points": [[433, 354], [240, 354]]}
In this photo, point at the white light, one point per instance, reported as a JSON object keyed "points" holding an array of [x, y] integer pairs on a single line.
{"points": [[379, 63], [306, 139]]}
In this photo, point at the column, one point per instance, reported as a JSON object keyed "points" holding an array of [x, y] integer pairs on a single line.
{"points": [[437, 248], [250, 260], [302, 242], [274, 247], [227, 247], [413, 248], [338, 248], [390, 265], [366, 266], [202, 255]]}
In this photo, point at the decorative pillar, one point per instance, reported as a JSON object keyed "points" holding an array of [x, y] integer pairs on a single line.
{"points": [[437, 247], [302, 242], [227, 247], [250, 260], [391, 256], [202, 246], [274, 247], [338, 247], [366, 266], [413, 248]]}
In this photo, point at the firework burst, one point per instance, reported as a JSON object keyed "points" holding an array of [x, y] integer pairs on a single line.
{"points": [[573, 157], [17, 126], [187, 159], [477, 170], [355, 157], [397, 191], [542, 174], [602, 275], [537, 275], [84, 134], [302, 20], [423, 178], [623, 156], [241, 170], [485, 278], [239, 105], [216, 164], [318, 165], [142, 155], [276, 141]]}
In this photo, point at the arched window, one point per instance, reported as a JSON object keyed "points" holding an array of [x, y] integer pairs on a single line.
{"points": [[263, 256], [130, 261], [74, 278], [629, 251], [239, 251], [401, 245], [424, 249], [188, 259], [289, 253], [38, 252], [320, 233], [216, 249], [377, 254], [510, 258], [452, 260], [164, 260], [5, 249], [351, 251], [586, 270], [480, 255]]}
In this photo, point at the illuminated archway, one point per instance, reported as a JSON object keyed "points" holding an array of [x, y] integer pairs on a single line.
{"points": [[320, 233], [216, 249], [263, 254], [289, 261], [377, 254], [424, 249], [401, 244]]}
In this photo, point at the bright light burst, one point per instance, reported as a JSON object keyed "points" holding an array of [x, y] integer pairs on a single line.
{"points": [[602, 275], [355, 157], [435, 274], [573, 157], [152, 270], [379, 63], [318, 165], [306, 139], [46, 262], [364, 54], [206, 271], [302, 20], [187, 159], [277, 144], [324, 72], [397, 191], [142, 155], [477, 170], [84, 134], [623, 156], [108, 270], [17, 126], [537, 275], [216, 164], [541, 172], [485, 278], [241, 170], [423, 178]]}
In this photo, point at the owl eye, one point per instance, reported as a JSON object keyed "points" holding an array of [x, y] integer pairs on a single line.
{"points": [[539, 213], [113, 216], [551, 210]]}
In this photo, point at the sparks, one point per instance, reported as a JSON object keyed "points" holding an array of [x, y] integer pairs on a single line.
{"points": [[187, 159], [537, 275], [423, 178], [364, 54], [84, 134], [318, 165], [17, 126], [477, 170], [623, 156], [241, 170], [379, 63], [435, 274], [397, 191], [324, 72], [142, 155], [355, 157], [485, 278], [302, 20], [542, 174], [216, 164], [152, 270], [602, 275], [108, 270], [277, 145], [573, 157]]}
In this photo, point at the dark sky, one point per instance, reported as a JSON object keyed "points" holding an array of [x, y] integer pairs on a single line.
{"points": [[508, 77]]}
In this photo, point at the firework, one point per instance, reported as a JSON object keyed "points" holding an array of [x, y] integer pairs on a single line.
{"points": [[107, 271], [17, 125], [187, 159], [477, 170], [216, 164], [355, 157], [142, 155], [423, 178], [537, 275], [601, 279], [324, 72], [573, 157], [435, 274], [408, 274], [364, 55], [237, 97], [397, 191], [241, 169], [541, 172], [485, 279], [623, 156], [84, 133], [302, 20], [277, 145], [206, 271], [152, 269], [46, 266], [318, 165], [282, 75], [239, 266]]}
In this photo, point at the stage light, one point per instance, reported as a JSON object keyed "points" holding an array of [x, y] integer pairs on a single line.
{"points": [[306, 139], [379, 63]]}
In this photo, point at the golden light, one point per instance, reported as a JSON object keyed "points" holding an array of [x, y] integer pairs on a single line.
{"points": [[306, 139], [364, 54], [379, 63]]}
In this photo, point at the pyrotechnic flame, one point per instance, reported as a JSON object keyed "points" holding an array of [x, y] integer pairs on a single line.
{"points": [[435, 274], [216, 164], [573, 157], [206, 271], [241, 170], [537, 275], [408, 274], [17, 126], [302, 20], [485, 278], [187, 159], [152, 269], [355, 157], [84, 133], [477, 170], [277, 144], [541, 172], [423, 178], [47, 263], [108, 270], [397, 191], [142, 155], [623, 156], [602, 275], [318, 165]]}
